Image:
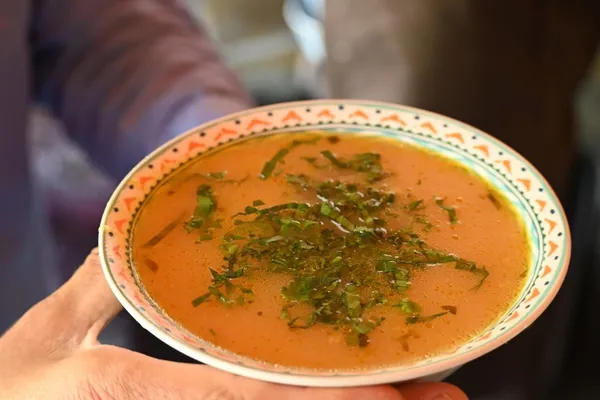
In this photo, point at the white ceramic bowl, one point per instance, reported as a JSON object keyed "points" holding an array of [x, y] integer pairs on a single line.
{"points": [[507, 172]]}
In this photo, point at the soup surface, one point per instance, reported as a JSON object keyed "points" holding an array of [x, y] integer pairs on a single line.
{"points": [[330, 252]]}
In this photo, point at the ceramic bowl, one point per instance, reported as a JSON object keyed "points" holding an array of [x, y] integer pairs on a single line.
{"points": [[502, 167]]}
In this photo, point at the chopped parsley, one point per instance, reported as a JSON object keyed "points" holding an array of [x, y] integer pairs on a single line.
{"points": [[269, 166], [216, 175], [342, 259], [205, 206], [414, 205], [450, 210], [368, 163]]}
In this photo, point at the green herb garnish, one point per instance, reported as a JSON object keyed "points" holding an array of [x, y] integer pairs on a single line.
{"points": [[474, 269], [328, 211], [450, 210], [415, 205], [334, 160], [222, 287], [165, 231], [368, 163], [360, 331], [299, 180], [408, 307], [200, 299], [420, 219], [342, 259], [313, 161], [206, 236], [205, 206], [216, 175], [269, 166], [419, 319]]}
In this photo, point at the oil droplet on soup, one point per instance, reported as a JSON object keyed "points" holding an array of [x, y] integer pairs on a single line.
{"points": [[330, 252]]}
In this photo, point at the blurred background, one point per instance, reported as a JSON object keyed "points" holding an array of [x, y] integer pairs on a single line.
{"points": [[278, 49], [520, 69]]}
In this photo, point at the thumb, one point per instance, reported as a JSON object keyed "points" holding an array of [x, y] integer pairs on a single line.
{"points": [[73, 315], [88, 300]]}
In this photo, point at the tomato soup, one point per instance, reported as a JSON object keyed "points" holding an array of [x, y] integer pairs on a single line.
{"points": [[327, 251]]}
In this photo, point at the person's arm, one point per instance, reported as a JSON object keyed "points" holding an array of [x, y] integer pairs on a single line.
{"points": [[125, 76]]}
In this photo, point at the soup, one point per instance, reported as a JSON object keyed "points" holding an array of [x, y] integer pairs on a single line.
{"points": [[330, 251]]}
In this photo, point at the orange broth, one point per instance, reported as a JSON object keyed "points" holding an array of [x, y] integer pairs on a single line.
{"points": [[175, 270]]}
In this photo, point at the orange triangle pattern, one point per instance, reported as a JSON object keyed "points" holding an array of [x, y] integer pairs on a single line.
{"points": [[145, 179], [506, 164], [486, 336], [547, 270], [164, 163], [428, 125], [228, 132], [291, 115], [128, 202], [458, 136], [542, 204], [325, 113], [220, 355], [117, 251], [553, 247], [526, 183], [122, 274], [512, 316], [394, 118], [552, 225], [484, 149], [256, 122], [136, 296], [359, 113], [194, 145], [189, 339], [534, 293], [119, 225]]}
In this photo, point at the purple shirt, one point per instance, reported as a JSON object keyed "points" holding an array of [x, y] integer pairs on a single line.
{"points": [[123, 76]]}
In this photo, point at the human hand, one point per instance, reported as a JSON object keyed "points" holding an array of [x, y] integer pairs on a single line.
{"points": [[53, 352]]}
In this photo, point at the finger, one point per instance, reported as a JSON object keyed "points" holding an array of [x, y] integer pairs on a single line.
{"points": [[432, 391], [73, 315], [149, 378], [230, 386], [88, 297]]}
